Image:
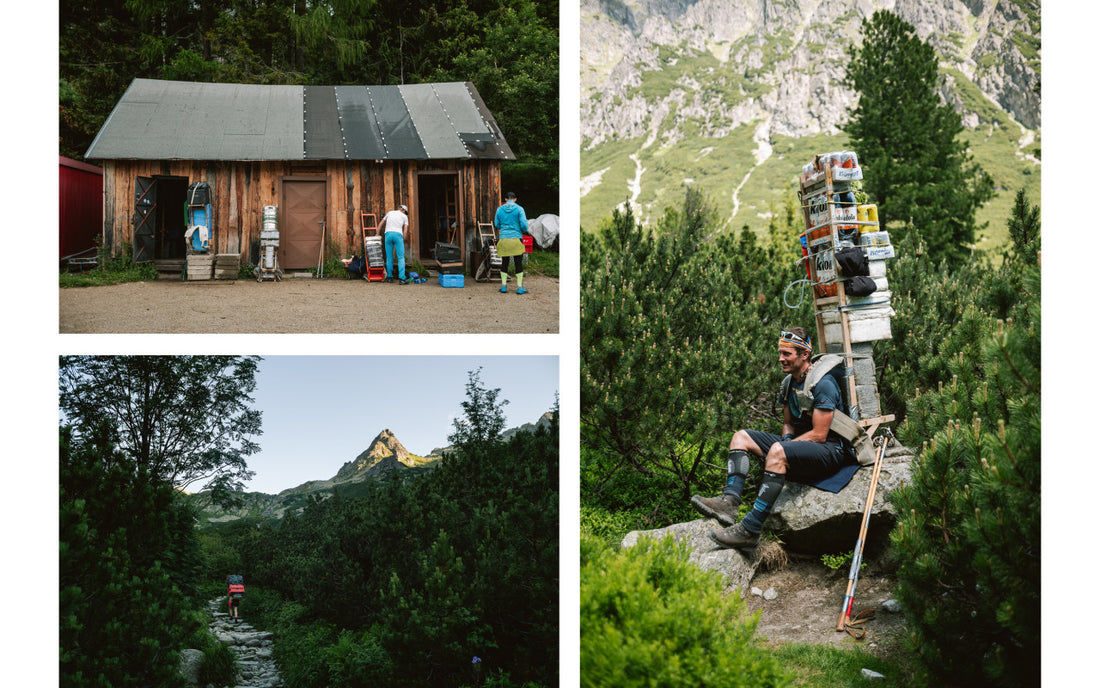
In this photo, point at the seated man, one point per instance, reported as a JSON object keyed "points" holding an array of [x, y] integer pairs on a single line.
{"points": [[810, 449]]}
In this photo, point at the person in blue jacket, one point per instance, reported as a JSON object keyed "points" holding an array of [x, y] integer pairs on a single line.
{"points": [[511, 222]]}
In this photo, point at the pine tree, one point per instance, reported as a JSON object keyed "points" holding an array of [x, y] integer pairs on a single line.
{"points": [[968, 536], [915, 165], [649, 617]]}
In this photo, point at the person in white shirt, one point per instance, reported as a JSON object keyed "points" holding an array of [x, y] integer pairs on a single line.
{"points": [[396, 224]]}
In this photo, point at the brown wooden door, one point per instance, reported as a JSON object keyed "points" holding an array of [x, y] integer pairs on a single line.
{"points": [[300, 224]]}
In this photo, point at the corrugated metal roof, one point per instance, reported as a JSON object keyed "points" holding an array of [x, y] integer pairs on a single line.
{"points": [[181, 120]]}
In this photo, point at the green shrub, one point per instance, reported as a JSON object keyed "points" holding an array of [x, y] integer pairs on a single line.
{"points": [[301, 651], [357, 659], [111, 270], [219, 665], [650, 618], [840, 561]]}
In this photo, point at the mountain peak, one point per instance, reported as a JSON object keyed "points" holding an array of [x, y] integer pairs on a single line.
{"points": [[384, 447]]}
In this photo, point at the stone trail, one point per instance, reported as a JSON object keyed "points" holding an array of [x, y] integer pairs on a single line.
{"points": [[253, 648]]}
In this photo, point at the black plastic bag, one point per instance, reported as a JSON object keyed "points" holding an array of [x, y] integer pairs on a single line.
{"points": [[852, 261], [860, 285]]}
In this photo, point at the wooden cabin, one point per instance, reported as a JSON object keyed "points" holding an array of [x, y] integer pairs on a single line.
{"points": [[324, 155]]}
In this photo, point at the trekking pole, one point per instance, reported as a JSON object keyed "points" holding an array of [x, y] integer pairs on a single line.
{"points": [[321, 252], [857, 556]]}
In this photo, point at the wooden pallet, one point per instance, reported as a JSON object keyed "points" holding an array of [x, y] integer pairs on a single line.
{"points": [[227, 266], [199, 267]]}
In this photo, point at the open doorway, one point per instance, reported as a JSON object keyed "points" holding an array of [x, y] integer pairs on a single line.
{"points": [[159, 218], [437, 211], [171, 217]]}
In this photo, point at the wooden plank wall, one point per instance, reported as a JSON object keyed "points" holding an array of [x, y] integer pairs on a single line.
{"points": [[242, 189]]}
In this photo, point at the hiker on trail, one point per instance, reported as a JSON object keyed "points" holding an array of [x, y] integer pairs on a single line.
{"points": [[396, 223], [809, 449], [234, 585], [511, 222]]}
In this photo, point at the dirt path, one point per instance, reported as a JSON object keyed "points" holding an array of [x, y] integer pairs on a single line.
{"points": [[298, 305], [807, 603]]}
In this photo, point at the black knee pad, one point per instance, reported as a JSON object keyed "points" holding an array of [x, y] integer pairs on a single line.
{"points": [[738, 463]]}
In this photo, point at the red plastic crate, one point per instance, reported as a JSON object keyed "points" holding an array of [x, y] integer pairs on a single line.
{"points": [[376, 274]]}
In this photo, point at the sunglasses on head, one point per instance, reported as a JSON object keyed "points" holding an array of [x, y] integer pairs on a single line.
{"points": [[794, 338]]}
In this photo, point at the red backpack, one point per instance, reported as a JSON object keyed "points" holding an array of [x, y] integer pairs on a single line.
{"points": [[236, 586]]}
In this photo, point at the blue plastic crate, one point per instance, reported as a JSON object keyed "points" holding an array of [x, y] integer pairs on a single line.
{"points": [[451, 280]]}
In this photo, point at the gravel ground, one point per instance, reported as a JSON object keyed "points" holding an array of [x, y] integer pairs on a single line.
{"points": [[310, 306], [807, 606]]}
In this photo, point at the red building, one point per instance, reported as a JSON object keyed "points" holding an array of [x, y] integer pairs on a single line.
{"points": [[80, 208]]}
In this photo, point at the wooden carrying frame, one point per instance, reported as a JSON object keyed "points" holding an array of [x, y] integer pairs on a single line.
{"points": [[838, 301]]}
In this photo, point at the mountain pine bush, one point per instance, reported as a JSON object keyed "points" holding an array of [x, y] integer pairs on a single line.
{"points": [[650, 618], [124, 561], [678, 331], [968, 536]]}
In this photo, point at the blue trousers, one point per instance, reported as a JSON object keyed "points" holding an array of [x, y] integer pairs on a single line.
{"points": [[395, 245]]}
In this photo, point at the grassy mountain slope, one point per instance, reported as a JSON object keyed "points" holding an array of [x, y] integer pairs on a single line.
{"points": [[738, 115]]}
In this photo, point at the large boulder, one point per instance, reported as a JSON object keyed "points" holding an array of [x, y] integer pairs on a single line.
{"points": [[190, 665], [805, 519], [813, 521], [737, 567]]}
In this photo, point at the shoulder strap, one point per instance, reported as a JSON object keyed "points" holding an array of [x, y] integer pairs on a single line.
{"points": [[822, 364], [842, 423], [785, 389]]}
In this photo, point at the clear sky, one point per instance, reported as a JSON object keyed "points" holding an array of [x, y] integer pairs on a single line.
{"points": [[320, 412]]}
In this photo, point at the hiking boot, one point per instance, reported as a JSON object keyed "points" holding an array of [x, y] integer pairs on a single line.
{"points": [[736, 536], [404, 281], [388, 279], [521, 290], [723, 507], [504, 289]]}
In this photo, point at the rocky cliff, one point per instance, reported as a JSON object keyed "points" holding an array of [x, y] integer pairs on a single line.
{"points": [[384, 453], [727, 63], [666, 81]]}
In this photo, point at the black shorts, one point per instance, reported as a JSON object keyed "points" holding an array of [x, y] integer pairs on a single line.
{"points": [[234, 601], [807, 462]]}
